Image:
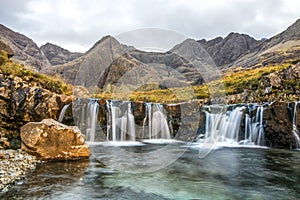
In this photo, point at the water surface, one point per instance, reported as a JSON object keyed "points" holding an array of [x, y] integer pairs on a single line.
{"points": [[123, 172]]}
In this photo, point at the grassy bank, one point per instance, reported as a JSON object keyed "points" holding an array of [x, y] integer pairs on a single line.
{"points": [[12, 69]]}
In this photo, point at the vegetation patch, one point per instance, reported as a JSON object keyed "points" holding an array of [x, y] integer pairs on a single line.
{"points": [[234, 81], [54, 84]]}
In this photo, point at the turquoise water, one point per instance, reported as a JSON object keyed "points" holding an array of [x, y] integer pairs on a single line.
{"points": [[125, 172]]}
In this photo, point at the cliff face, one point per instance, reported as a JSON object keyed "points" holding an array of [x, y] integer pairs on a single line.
{"points": [[57, 55], [25, 50], [281, 48], [227, 50]]}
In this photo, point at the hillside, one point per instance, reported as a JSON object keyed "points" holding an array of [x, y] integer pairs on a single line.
{"points": [[57, 55], [238, 62]]}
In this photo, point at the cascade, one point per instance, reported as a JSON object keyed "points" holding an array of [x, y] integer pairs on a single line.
{"points": [[92, 120], [223, 127], [254, 127], [295, 130], [120, 123], [62, 113], [158, 127]]}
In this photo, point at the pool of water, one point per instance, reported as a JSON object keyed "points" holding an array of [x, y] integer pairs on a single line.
{"points": [[166, 171]]}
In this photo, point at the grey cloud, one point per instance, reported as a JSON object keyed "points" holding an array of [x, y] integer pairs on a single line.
{"points": [[196, 19]]}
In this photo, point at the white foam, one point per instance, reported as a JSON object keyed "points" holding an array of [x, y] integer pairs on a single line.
{"points": [[121, 143], [163, 141], [219, 145]]}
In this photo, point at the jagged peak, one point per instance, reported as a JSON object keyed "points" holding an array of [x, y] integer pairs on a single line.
{"points": [[102, 40]]}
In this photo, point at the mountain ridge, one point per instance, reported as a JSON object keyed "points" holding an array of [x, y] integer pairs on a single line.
{"points": [[234, 50]]}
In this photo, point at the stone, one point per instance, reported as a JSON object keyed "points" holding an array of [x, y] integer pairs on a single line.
{"points": [[7, 49], [278, 126], [51, 140]]}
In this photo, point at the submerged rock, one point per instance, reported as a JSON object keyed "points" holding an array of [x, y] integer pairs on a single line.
{"points": [[51, 140]]}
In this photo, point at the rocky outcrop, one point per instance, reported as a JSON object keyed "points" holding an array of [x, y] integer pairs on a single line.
{"points": [[278, 125], [57, 55], [227, 50], [7, 49], [51, 140], [25, 50], [281, 85], [23, 98], [282, 48]]}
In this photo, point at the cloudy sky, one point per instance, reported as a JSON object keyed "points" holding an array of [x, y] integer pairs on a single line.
{"points": [[77, 24]]}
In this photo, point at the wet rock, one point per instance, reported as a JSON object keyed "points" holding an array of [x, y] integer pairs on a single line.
{"points": [[279, 126], [51, 140]]}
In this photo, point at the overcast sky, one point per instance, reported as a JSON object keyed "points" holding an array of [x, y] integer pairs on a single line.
{"points": [[77, 24]]}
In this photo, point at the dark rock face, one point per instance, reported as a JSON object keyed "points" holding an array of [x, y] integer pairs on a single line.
{"points": [[25, 50], [57, 55], [279, 125], [7, 49], [51, 140], [278, 49], [22, 102], [225, 51]]}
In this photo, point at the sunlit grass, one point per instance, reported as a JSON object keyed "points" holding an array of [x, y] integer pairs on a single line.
{"points": [[233, 81], [54, 84]]}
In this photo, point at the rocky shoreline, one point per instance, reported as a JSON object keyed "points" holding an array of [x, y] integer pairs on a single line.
{"points": [[14, 166]]}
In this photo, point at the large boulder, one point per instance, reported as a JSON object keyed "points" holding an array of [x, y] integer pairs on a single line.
{"points": [[51, 140]]}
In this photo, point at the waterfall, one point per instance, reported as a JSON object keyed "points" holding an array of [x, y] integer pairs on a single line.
{"points": [[254, 127], [295, 130], [120, 123], [158, 127], [93, 107], [62, 113], [223, 127]]}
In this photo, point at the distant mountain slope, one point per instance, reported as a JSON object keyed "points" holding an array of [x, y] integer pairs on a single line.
{"points": [[25, 50], [57, 55], [28, 53], [109, 63], [109, 60], [227, 50], [283, 47]]}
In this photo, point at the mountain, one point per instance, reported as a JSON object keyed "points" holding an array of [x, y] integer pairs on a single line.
{"points": [[110, 63], [227, 50], [57, 55], [28, 53], [25, 50], [193, 61], [283, 47]]}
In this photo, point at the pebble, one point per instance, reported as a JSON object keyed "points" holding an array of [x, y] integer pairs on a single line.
{"points": [[14, 165]]}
